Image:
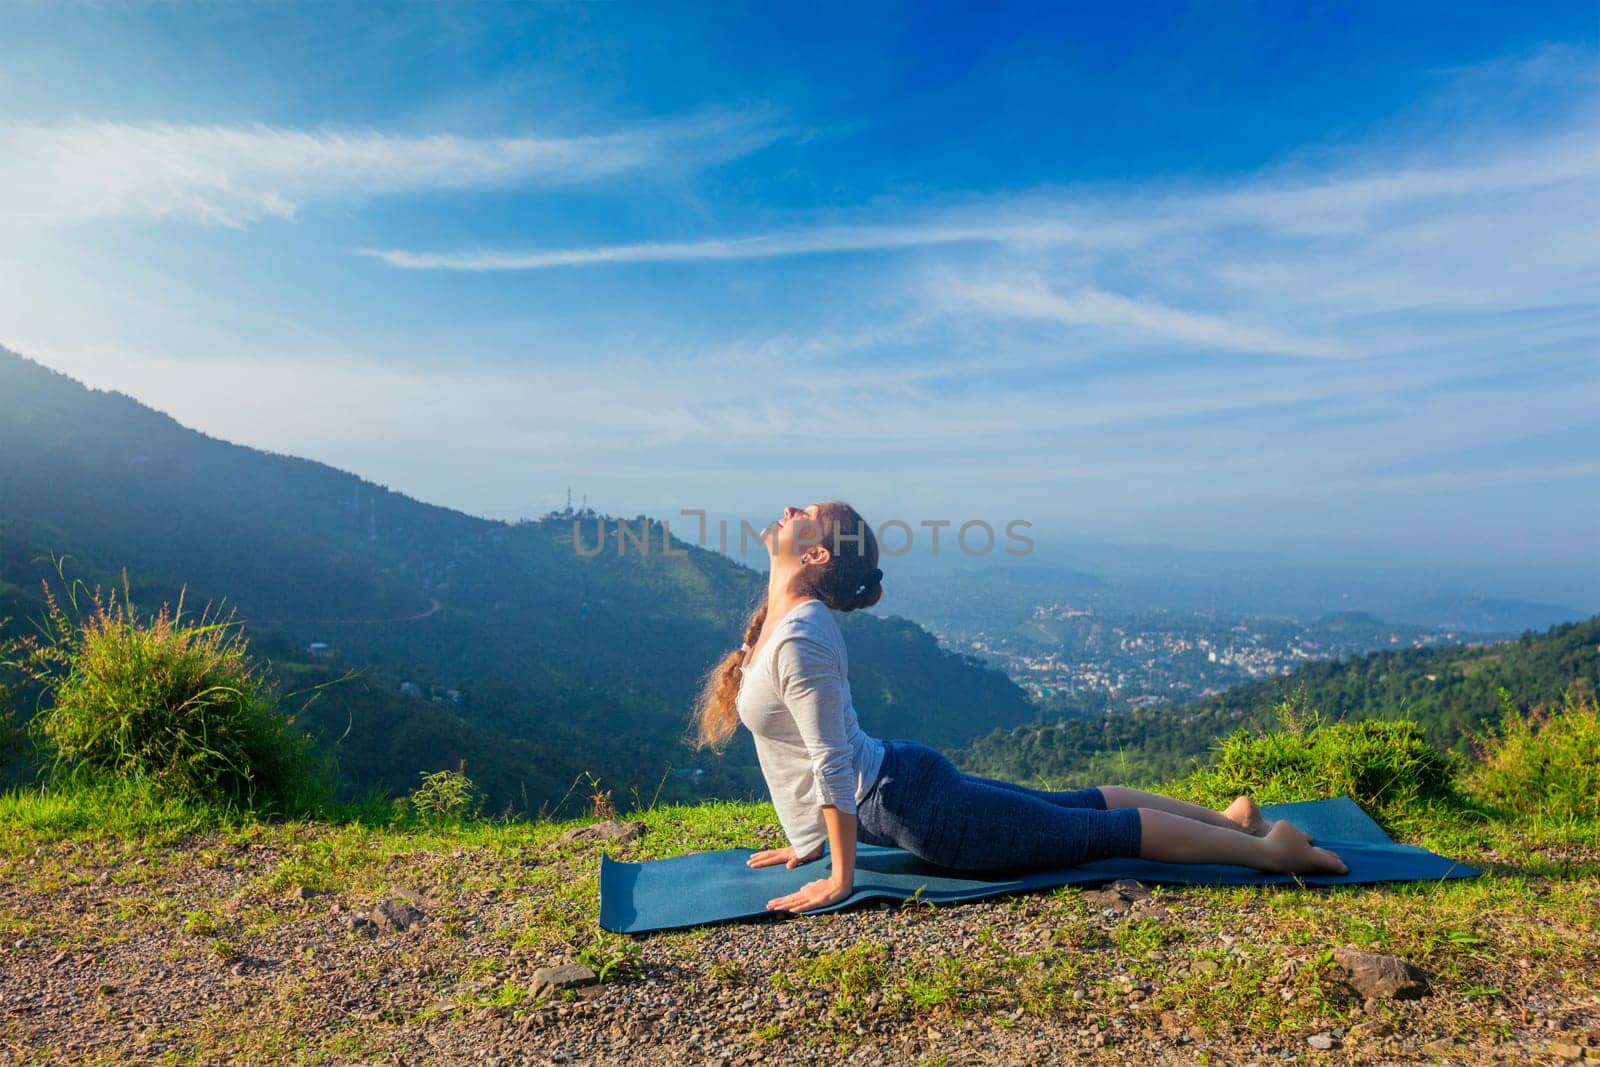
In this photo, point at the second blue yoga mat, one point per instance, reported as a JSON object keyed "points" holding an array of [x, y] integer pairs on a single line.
{"points": [[709, 887]]}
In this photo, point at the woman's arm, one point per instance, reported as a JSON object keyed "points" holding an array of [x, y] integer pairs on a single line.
{"points": [[811, 681], [841, 882]]}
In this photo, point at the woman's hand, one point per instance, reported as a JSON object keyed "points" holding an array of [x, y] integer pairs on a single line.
{"points": [[818, 894], [785, 855]]}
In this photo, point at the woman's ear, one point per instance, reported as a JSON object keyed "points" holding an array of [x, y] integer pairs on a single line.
{"points": [[816, 554]]}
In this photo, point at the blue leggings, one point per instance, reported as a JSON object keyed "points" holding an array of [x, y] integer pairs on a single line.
{"points": [[923, 804]]}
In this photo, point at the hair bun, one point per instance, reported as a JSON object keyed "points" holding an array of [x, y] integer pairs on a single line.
{"points": [[873, 577]]}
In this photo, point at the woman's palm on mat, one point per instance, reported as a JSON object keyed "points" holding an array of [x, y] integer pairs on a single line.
{"points": [[784, 855]]}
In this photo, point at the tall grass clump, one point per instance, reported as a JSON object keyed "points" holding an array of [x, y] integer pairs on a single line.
{"points": [[1386, 766], [443, 797], [1545, 763], [173, 704], [10, 736]]}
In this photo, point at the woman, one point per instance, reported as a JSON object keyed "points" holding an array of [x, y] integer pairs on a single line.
{"points": [[832, 784]]}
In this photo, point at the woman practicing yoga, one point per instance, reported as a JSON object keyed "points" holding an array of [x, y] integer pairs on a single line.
{"points": [[832, 784]]}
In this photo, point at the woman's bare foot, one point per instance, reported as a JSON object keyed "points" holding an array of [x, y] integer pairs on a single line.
{"points": [[1246, 814], [1294, 853]]}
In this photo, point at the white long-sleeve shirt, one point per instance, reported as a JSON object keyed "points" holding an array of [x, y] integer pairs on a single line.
{"points": [[795, 698]]}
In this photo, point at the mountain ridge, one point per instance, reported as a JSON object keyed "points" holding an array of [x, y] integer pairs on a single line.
{"points": [[598, 653]]}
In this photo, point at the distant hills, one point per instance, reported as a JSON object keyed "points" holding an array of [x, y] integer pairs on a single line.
{"points": [[1449, 691], [495, 643], [1482, 615]]}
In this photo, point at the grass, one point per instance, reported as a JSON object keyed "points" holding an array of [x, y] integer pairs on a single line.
{"points": [[170, 701], [1531, 919], [1232, 965], [1387, 766], [1545, 763]]}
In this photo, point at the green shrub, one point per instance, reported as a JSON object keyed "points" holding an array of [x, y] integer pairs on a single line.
{"points": [[1384, 765], [10, 737], [1544, 763], [172, 702], [444, 796]]}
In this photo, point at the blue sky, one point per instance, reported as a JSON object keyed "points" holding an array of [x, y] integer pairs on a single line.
{"points": [[1317, 281]]}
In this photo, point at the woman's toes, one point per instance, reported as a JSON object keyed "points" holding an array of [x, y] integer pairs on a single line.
{"points": [[1331, 861], [1294, 854]]}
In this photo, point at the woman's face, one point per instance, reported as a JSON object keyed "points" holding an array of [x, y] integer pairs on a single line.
{"points": [[798, 530]]}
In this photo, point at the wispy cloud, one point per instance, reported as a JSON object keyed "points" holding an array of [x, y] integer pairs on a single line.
{"points": [[236, 175], [1362, 198], [762, 246], [1295, 263], [1032, 298]]}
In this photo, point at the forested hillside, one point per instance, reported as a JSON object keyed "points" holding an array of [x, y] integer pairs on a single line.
{"points": [[1448, 692], [532, 661]]}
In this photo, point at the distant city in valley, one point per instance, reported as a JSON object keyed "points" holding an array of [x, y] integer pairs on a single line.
{"points": [[1079, 658]]}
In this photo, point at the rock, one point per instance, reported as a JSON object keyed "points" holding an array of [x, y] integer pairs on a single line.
{"points": [[1561, 1050], [1117, 897], [360, 924], [1381, 977], [1321, 1042], [552, 980], [610, 830], [398, 915]]}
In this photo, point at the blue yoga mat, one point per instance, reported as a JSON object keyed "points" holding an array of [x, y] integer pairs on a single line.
{"points": [[709, 887]]}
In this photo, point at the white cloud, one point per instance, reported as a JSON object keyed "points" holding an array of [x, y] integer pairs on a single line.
{"points": [[236, 175], [1360, 200], [763, 246], [1031, 298], [1306, 264]]}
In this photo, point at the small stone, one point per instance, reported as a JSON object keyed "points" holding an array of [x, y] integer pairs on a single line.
{"points": [[1321, 1042], [1563, 1050], [1118, 897], [398, 915], [610, 830], [565, 976], [1382, 977], [302, 893]]}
